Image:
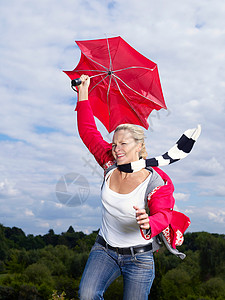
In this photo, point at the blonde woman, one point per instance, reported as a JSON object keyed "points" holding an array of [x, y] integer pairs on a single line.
{"points": [[124, 243]]}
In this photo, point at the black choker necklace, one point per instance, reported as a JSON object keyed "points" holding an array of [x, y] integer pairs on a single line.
{"points": [[180, 150]]}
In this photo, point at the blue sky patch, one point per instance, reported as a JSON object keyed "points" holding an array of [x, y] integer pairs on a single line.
{"points": [[5, 137], [44, 129]]}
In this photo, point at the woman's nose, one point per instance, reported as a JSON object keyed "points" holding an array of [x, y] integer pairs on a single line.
{"points": [[117, 148]]}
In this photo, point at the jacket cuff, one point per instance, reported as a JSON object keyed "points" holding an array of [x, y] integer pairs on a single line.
{"points": [[146, 233], [79, 104]]}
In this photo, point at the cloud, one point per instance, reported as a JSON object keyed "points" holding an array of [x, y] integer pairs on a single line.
{"points": [[189, 211], [29, 213], [209, 167], [207, 218], [7, 189], [218, 217], [39, 141], [181, 196], [214, 189]]}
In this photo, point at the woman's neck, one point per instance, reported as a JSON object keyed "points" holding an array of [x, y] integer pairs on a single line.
{"points": [[132, 167]]}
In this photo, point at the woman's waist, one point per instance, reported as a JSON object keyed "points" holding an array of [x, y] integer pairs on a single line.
{"points": [[125, 250], [130, 237]]}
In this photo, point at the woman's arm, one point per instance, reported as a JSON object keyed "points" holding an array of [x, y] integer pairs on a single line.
{"points": [[160, 203], [83, 88], [89, 134]]}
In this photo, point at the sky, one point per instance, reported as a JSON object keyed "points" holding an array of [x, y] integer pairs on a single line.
{"points": [[48, 179]]}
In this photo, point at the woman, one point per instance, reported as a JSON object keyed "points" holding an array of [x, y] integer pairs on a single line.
{"points": [[124, 243]]}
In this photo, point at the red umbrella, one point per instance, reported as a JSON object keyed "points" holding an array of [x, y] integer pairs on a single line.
{"points": [[125, 86]]}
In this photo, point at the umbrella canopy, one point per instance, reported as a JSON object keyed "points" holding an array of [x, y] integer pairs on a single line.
{"points": [[125, 86]]}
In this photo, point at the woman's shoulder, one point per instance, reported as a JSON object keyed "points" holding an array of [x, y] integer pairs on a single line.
{"points": [[109, 165], [159, 182], [162, 174], [155, 181]]}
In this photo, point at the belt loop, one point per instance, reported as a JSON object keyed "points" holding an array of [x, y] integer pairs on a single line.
{"points": [[132, 251], [106, 246]]}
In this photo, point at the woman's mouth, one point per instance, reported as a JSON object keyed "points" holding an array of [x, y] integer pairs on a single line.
{"points": [[119, 156]]}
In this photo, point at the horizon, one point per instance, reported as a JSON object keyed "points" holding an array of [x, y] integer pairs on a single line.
{"points": [[48, 179], [96, 230]]}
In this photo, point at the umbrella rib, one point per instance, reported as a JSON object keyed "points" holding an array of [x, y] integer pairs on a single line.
{"points": [[114, 77], [110, 80], [135, 91], [97, 83], [95, 61], [90, 71], [110, 58], [133, 67], [98, 75]]}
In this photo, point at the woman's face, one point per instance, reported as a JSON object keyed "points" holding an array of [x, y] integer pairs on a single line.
{"points": [[124, 147]]}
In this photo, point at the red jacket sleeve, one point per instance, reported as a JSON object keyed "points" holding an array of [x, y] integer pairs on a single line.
{"points": [[178, 226], [161, 203], [89, 134]]}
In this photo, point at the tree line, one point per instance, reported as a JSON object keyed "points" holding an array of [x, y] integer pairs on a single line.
{"points": [[50, 266]]}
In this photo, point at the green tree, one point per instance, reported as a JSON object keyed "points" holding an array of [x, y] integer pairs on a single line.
{"points": [[176, 285], [16, 236], [85, 243], [28, 292], [212, 255], [156, 290], [214, 288], [3, 244], [67, 284], [38, 273], [71, 237], [77, 264], [7, 293], [70, 230], [51, 238], [115, 290], [14, 264]]}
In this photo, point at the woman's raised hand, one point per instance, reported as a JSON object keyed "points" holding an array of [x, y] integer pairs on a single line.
{"points": [[83, 88]]}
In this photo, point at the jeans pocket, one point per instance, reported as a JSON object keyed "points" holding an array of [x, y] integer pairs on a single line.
{"points": [[144, 260]]}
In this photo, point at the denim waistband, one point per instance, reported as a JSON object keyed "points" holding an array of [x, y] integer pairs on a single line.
{"points": [[124, 251]]}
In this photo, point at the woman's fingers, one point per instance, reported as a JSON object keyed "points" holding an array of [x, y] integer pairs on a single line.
{"points": [[85, 81], [84, 77], [142, 218]]}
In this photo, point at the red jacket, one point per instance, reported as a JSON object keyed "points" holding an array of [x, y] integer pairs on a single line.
{"points": [[160, 201]]}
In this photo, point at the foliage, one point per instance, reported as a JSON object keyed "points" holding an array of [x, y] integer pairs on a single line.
{"points": [[115, 290], [213, 287], [50, 267], [56, 296]]}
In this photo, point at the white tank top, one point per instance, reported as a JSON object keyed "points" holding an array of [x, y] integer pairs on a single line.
{"points": [[119, 226]]}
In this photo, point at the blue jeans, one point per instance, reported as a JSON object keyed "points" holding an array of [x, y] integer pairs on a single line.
{"points": [[105, 265]]}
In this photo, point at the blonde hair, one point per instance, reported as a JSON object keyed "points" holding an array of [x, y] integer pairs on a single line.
{"points": [[137, 134]]}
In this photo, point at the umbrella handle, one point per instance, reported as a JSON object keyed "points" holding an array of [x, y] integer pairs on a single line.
{"points": [[76, 82]]}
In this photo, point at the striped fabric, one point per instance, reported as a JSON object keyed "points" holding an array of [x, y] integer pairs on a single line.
{"points": [[180, 150]]}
